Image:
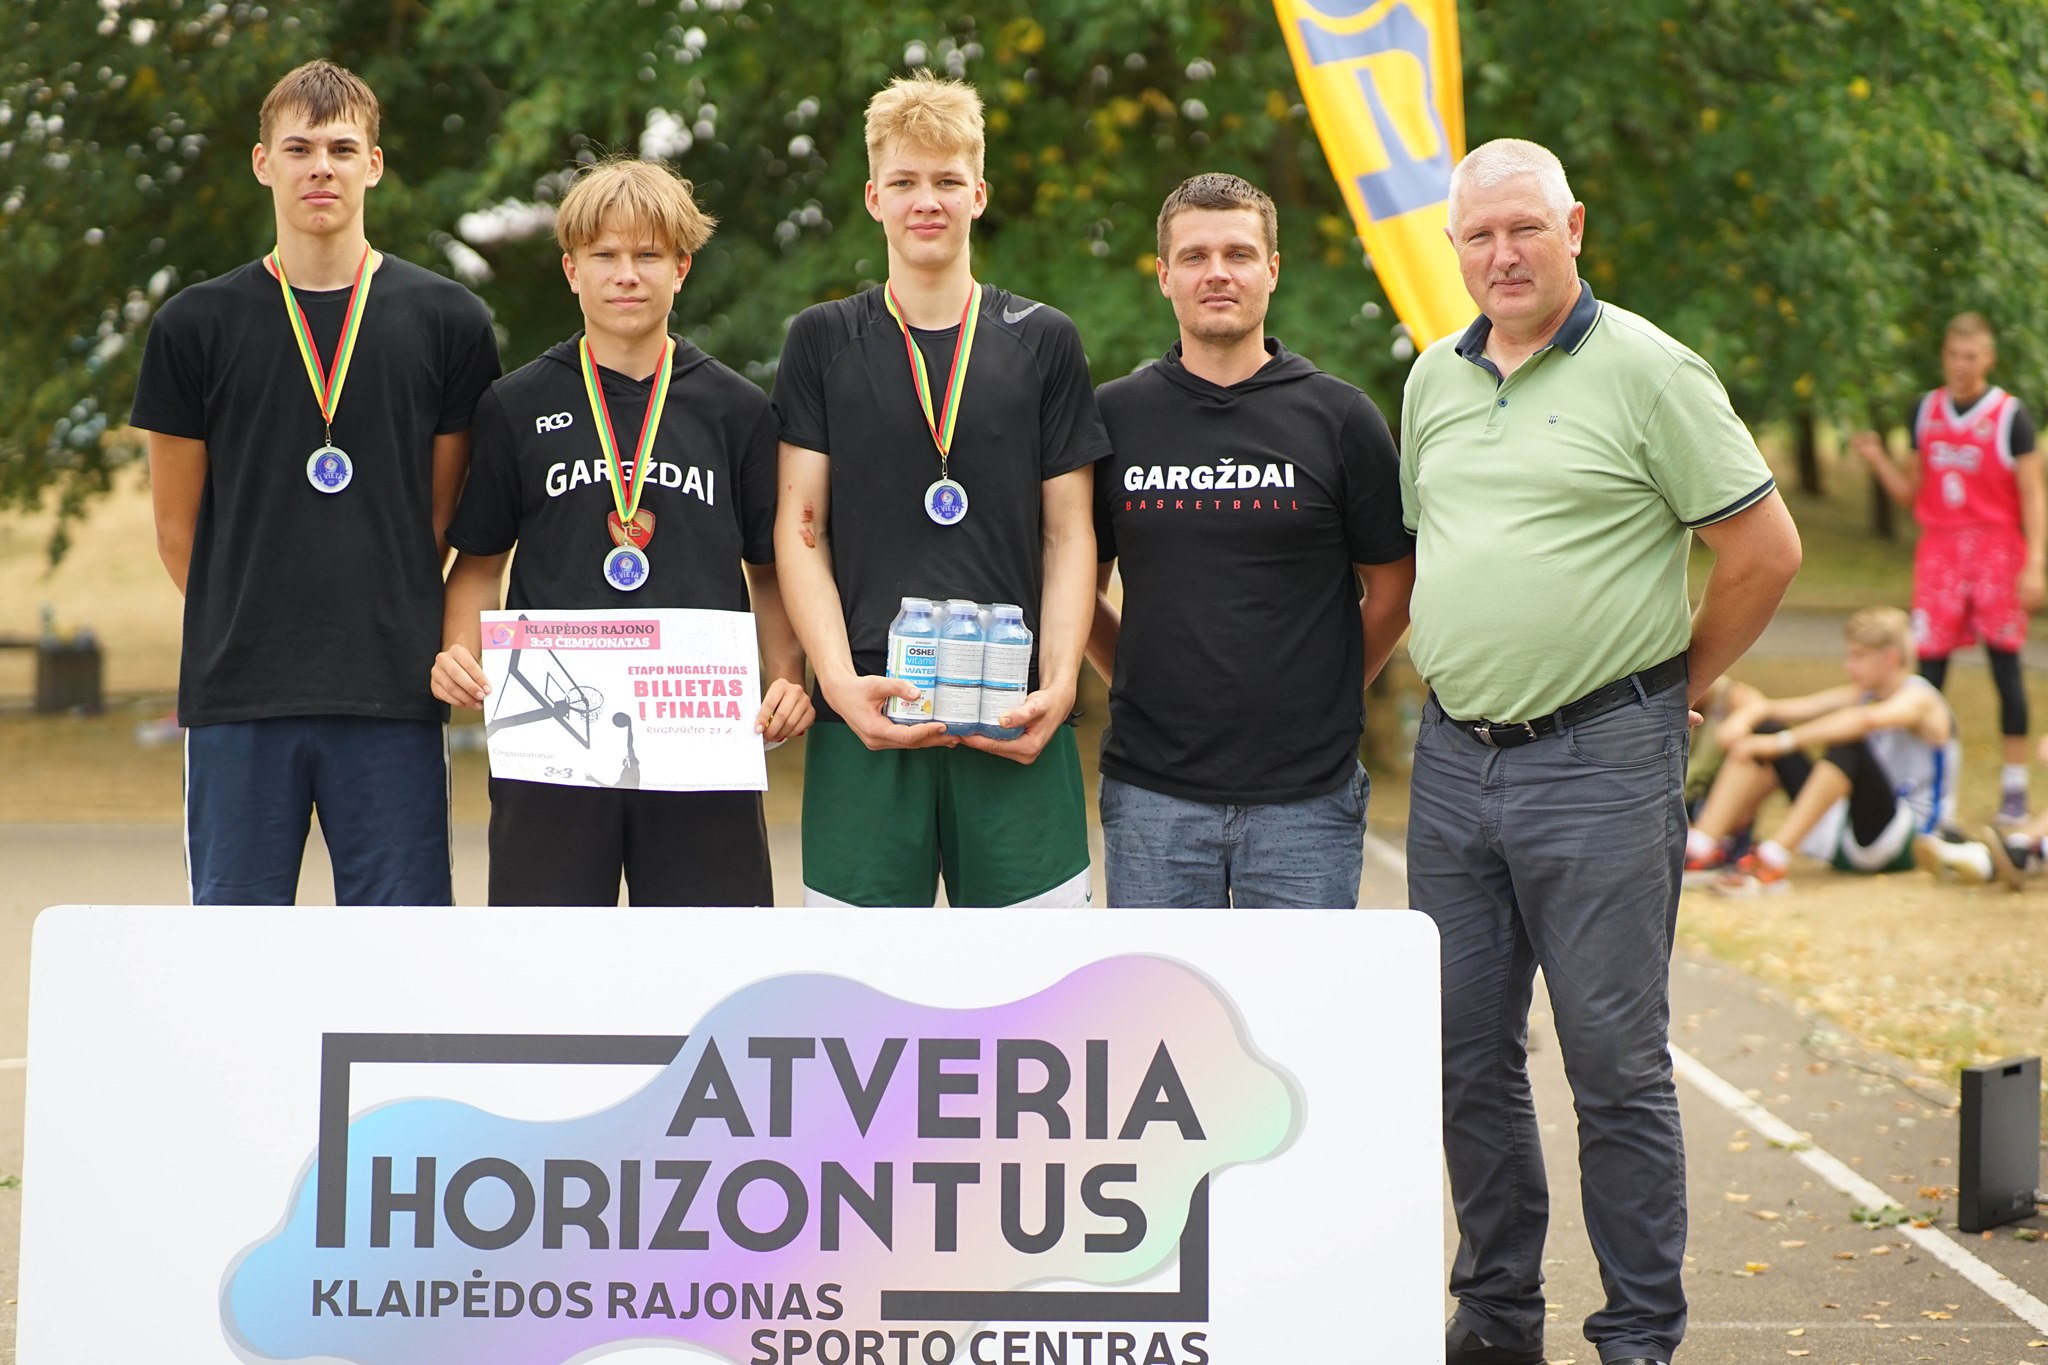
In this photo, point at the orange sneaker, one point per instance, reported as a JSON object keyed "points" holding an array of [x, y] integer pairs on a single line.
{"points": [[1752, 876], [1703, 869]]}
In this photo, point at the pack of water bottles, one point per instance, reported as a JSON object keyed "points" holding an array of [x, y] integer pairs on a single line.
{"points": [[969, 663]]}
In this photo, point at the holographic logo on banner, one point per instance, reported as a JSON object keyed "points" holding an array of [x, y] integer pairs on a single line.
{"points": [[820, 1174]]}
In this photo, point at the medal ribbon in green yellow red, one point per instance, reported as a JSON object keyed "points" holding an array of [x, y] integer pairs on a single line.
{"points": [[941, 421], [327, 386], [626, 503]]}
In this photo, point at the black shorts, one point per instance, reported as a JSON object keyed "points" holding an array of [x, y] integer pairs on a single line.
{"points": [[557, 845]]}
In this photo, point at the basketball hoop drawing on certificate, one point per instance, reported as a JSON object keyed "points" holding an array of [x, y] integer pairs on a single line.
{"points": [[558, 697], [655, 700]]}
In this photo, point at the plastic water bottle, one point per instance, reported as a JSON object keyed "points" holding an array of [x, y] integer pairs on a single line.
{"points": [[914, 657], [1005, 668], [960, 649]]}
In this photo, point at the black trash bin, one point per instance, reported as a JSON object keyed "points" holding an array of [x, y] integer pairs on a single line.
{"points": [[68, 676]]}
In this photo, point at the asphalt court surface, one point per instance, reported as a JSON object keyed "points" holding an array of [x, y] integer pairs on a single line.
{"points": [[1778, 1270]]}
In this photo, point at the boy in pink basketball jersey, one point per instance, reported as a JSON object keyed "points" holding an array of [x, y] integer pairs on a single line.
{"points": [[1977, 492]]}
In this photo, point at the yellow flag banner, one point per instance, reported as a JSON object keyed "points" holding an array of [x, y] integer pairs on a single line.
{"points": [[1383, 86]]}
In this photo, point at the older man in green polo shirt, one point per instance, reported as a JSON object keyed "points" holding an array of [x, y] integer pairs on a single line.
{"points": [[1558, 458]]}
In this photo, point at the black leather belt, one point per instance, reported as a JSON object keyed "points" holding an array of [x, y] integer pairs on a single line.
{"points": [[1508, 735]]}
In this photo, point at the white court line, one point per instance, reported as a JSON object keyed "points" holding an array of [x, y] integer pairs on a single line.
{"points": [[1933, 1241], [13, 1063]]}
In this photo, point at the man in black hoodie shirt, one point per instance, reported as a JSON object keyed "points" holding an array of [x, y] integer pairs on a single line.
{"points": [[1249, 497], [583, 514]]}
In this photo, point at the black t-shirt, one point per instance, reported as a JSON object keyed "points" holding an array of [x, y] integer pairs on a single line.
{"points": [[1027, 414], [538, 478], [303, 603], [1236, 515]]}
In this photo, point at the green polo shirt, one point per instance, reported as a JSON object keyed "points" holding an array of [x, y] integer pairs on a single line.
{"points": [[1553, 510]]}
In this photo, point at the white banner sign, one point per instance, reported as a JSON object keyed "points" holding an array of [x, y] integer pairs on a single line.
{"points": [[761, 1137], [654, 700]]}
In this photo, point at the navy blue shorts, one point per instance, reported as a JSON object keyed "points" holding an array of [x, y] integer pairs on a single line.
{"points": [[381, 787]]}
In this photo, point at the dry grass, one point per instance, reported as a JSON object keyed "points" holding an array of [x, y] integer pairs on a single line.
{"points": [[1944, 976]]}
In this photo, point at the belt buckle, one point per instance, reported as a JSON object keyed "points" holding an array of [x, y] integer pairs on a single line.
{"points": [[1484, 732]]}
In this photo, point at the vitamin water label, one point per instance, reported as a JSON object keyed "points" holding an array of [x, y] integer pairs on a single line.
{"points": [[917, 663], [959, 700], [1004, 672]]}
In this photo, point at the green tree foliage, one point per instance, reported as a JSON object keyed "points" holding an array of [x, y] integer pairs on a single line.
{"points": [[1804, 191], [124, 174]]}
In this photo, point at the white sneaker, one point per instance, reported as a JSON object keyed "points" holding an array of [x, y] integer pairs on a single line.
{"points": [[1968, 861]]}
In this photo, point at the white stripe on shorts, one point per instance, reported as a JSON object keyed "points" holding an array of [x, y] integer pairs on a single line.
{"points": [[1071, 894]]}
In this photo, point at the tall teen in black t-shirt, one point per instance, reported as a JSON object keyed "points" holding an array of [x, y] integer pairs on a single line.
{"points": [[1249, 497], [308, 419], [874, 469], [542, 479]]}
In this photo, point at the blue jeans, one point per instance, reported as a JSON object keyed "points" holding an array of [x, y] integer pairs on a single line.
{"points": [[1165, 852], [381, 787], [1563, 854]]}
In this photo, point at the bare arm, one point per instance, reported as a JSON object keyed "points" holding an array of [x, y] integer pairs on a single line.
{"points": [[1383, 611], [1915, 709], [1107, 627], [473, 588], [1756, 554], [1795, 710], [810, 596], [786, 709], [177, 482], [451, 470], [2033, 584], [1901, 483], [1066, 607]]}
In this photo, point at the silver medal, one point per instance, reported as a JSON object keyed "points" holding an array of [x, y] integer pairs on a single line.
{"points": [[329, 469]]}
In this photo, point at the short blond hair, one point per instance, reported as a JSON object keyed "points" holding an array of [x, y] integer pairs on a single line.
{"points": [[1881, 628], [927, 113], [1970, 325], [324, 93], [633, 195]]}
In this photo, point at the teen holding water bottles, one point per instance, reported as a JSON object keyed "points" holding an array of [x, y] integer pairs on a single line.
{"points": [[938, 435]]}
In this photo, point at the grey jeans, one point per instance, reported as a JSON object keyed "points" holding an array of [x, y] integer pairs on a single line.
{"points": [[1564, 854]]}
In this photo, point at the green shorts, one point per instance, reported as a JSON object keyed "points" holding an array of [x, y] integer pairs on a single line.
{"points": [[881, 826]]}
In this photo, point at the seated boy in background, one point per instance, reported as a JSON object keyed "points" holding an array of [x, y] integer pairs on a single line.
{"points": [[1887, 773], [1723, 700]]}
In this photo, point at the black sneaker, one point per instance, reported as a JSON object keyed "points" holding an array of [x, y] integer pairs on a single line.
{"points": [[2009, 860], [1463, 1346]]}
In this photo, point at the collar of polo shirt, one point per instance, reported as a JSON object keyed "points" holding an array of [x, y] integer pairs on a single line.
{"points": [[1578, 324]]}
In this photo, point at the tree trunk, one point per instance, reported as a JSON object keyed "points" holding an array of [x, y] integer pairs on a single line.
{"points": [[1806, 436], [1882, 524]]}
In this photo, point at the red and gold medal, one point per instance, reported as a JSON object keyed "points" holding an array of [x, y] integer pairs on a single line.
{"points": [[626, 564]]}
